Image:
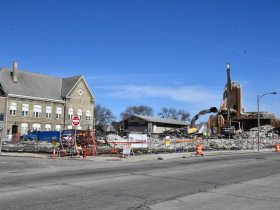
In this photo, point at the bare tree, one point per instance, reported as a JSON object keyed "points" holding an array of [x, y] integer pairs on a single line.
{"points": [[184, 115], [103, 116], [172, 113], [140, 110]]}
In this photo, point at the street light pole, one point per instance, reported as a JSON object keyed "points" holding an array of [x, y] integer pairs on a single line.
{"points": [[258, 123], [259, 118]]}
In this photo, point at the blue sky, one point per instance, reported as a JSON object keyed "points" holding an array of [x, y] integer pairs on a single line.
{"points": [[147, 52]]}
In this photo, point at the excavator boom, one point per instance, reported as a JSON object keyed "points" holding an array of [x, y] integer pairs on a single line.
{"points": [[203, 112]]}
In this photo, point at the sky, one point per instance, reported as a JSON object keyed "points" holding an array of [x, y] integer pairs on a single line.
{"points": [[158, 53]]}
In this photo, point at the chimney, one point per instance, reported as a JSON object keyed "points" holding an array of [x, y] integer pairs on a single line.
{"points": [[15, 72]]}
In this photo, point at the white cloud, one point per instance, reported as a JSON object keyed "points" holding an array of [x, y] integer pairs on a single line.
{"points": [[183, 93]]}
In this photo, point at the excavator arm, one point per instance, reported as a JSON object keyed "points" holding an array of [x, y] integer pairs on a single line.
{"points": [[203, 112]]}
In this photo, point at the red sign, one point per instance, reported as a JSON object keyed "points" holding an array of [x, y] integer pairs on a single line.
{"points": [[76, 121]]}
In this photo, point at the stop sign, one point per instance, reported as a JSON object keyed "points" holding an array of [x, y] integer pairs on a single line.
{"points": [[76, 121]]}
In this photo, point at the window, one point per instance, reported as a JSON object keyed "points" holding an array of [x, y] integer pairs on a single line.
{"points": [[57, 127], [13, 108], [1, 117], [88, 115], [48, 127], [69, 127], [37, 111], [48, 112], [24, 128], [37, 126], [80, 113], [79, 127], [58, 112], [70, 113], [25, 108]]}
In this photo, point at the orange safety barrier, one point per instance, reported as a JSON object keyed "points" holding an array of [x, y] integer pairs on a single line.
{"points": [[182, 140], [16, 136], [277, 148], [199, 149]]}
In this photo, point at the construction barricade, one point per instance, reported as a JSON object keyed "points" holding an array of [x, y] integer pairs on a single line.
{"points": [[277, 148], [199, 150], [16, 136]]}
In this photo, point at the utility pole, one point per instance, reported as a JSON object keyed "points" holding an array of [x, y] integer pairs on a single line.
{"points": [[4, 130]]}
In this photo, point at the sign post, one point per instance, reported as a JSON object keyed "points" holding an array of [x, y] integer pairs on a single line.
{"points": [[150, 130], [75, 122], [167, 142]]}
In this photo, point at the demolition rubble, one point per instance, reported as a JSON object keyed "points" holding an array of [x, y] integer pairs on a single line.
{"points": [[157, 143], [247, 140]]}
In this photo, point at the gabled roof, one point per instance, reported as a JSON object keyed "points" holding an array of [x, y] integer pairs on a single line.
{"points": [[116, 125], [68, 84], [157, 120], [31, 84], [37, 85]]}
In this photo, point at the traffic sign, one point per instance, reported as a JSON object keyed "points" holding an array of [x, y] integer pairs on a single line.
{"points": [[150, 127], [76, 121]]}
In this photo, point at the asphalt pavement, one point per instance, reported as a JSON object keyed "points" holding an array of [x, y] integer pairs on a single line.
{"points": [[218, 180]]}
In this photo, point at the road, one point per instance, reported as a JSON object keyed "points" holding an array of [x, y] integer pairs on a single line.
{"points": [[247, 181]]}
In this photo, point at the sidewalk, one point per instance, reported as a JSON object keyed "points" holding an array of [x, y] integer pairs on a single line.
{"points": [[138, 157]]}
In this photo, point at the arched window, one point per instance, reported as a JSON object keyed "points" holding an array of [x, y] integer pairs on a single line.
{"points": [[25, 108], [37, 111], [24, 128], [13, 108], [48, 127], [70, 113], [37, 126], [80, 113], [88, 115], [48, 112], [58, 112], [57, 127]]}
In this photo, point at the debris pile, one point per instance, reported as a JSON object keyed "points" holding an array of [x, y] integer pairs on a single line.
{"points": [[265, 131], [179, 140], [27, 146]]}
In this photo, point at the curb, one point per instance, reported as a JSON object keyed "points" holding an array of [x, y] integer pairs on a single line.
{"points": [[171, 156]]}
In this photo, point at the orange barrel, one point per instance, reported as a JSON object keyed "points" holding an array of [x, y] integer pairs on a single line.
{"points": [[277, 148], [199, 149]]}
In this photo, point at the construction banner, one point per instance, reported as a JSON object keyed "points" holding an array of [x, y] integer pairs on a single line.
{"points": [[167, 140], [138, 140]]}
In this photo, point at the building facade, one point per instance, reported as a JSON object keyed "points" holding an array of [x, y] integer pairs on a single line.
{"points": [[30, 101], [139, 124]]}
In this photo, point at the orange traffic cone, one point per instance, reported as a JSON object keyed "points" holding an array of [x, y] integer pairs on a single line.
{"points": [[78, 155], [53, 152]]}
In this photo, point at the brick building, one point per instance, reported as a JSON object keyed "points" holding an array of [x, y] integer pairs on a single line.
{"points": [[42, 102]]}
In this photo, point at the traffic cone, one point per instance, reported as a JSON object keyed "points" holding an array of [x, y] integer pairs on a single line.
{"points": [[53, 152], [78, 155]]}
